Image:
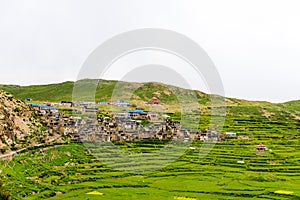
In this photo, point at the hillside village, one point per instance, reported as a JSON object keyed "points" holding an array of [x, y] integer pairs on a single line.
{"points": [[90, 124], [87, 121]]}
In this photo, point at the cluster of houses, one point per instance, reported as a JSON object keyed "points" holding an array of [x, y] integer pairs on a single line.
{"points": [[89, 106], [127, 125], [121, 103], [56, 121], [116, 103], [137, 114], [125, 129], [121, 126], [115, 129]]}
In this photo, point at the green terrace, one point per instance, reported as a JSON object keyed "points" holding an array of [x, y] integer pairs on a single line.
{"points": [[69, 172]]}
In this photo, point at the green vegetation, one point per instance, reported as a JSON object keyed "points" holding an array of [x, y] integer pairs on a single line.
{"points": [[105, 90], [70, 172], [138, 93], [52, 92], [4, 195]]}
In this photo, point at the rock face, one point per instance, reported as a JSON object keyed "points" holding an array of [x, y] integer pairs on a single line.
{"points": [[19, 127]]}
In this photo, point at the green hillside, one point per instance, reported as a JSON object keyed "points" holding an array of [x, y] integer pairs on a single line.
{"points": [[141, 92], [105, 89], [51, 92], [69, 172], [244, 117], [138, 93]]}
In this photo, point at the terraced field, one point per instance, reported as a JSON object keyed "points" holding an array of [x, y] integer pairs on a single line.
{"points": [[69, 172]]}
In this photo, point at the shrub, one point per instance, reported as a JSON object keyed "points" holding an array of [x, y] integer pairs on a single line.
{"points": [[3, 193]]}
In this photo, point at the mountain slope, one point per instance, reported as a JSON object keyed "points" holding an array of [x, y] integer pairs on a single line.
{"points": [[168, 95], [18, 125], [105, 88], [51, 92]]}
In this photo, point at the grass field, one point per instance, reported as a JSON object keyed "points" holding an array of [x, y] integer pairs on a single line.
{"points": [[69, 172]]}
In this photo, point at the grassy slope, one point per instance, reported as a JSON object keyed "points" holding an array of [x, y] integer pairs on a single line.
{"points": [[266, 114], [142, 92], [71, 171], [63, 91], [51, 92]]}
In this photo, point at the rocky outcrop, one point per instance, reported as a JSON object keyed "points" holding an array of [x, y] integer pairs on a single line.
{"points": [[19, 127]]}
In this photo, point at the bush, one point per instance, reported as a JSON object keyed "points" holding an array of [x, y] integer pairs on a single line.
{"points": [[3, 193]]}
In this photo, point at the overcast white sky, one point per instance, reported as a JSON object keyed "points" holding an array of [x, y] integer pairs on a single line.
{"points": [[255, 44]]}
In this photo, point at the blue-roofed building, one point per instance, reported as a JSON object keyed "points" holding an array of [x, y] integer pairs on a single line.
{"points": [[123, 104], [44, 107], [139, 111], [35, 105], [135, 113], [28, 99], [92, 109], [230, 134], [85, 103], [55, 110], [103, 103]]}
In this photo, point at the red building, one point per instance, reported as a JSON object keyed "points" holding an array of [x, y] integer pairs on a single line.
{"points": [[261, 147], [154, 100]]}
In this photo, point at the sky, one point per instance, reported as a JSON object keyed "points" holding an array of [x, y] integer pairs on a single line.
{"points": [[254, 44]]}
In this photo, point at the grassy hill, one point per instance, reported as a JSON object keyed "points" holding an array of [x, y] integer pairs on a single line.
{"points": [[265, 114], [143, 92], [242, 116], [105, 89], [51, 92]]}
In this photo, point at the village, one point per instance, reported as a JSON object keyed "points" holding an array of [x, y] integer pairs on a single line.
{"points": [[91, 124]]}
